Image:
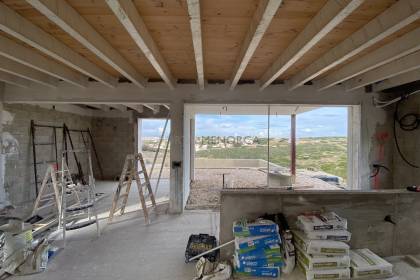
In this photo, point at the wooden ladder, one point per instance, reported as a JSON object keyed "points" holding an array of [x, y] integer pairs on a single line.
{"points": [[50, 192], [129, 173]]}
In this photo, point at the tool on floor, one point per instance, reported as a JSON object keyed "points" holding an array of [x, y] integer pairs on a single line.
{"points": [[413, 188], [195, 251], [129, 173], [82, 213]]}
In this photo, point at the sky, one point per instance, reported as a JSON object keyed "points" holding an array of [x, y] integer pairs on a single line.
{"points": [[322, 122]]}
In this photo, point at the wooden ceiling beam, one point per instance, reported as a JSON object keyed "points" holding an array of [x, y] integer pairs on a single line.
{"points": [[155, 108], [394, 68], [101, 107], [331, 15], [68, 19], [118, 107], [398, 80], [398, 48], [398, 16], [127, 14], [22, 29], [195, 24], [14, 80], [23, 71], [261, 20], [136, 107], [31, 58]]}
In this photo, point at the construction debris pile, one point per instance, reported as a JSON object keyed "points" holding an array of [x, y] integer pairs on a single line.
{"points": [[257, 249]]}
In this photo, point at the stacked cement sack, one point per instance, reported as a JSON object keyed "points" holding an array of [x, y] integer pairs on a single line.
{"points": [[366, 265], [320, 246], [257, 249]]}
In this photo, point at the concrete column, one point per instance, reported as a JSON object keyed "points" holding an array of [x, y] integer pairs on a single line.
{"points": [[192, 148], [176, 192]]}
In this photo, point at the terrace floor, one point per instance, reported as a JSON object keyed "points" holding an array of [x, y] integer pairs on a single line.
{"points": [[208, 182]]}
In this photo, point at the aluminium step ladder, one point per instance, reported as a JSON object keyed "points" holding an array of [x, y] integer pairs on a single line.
{"points": [[129, 174], [82, 213]]}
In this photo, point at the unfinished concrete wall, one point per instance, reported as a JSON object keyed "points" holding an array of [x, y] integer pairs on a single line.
{"points": [[19, 178], [376, 146], [365, 212], [409, 142], [114, 139]]}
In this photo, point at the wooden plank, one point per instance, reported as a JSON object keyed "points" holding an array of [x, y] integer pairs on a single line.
{"points": [[331, 15], [195, 23], [259, 24], [19, 27], [14, 80], [395, 18], [33, 59], [394, 68], [127, 14], [23, 71], [397, 80], [66, 17], [398, 48]]}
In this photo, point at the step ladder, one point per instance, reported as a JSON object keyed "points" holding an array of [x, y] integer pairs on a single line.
{"points": [[129, 174], [82, 213], [50, 191]]}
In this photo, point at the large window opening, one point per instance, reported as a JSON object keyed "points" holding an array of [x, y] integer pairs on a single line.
{"points": [[275, 146]]}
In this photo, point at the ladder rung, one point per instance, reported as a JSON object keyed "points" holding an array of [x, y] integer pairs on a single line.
{"points": [[45, 162], [81, 225], [80, 207]]}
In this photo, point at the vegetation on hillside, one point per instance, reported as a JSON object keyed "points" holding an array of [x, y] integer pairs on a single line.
{"points": [[328, 154]]}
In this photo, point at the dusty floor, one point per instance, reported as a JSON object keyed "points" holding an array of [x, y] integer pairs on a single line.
{"points": [[127, 248], [205, 190]]}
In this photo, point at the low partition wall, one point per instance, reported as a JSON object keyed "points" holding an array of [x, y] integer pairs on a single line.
{"points": [[365, 211]]}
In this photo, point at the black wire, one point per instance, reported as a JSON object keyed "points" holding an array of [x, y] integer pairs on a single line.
{"points": [[377, 168], [406, 126]]}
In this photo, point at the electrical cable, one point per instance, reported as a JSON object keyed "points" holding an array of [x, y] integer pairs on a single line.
{"points": [[405, 125], [378, 168]]}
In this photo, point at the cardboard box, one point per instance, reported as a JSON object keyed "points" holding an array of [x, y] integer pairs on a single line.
{"points": [[270, 251], [335, 235], [265, 262], [325, 221], [320, 247], [259, 227], [366, 265], [248, 244], [322, 262], [330, 274]]}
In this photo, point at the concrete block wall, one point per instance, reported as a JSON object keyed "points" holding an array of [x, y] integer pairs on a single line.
{"points": [[19, 178], [114, 139]]}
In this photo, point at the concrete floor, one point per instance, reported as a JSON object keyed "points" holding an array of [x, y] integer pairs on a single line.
{"points": [[127, 248]]}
